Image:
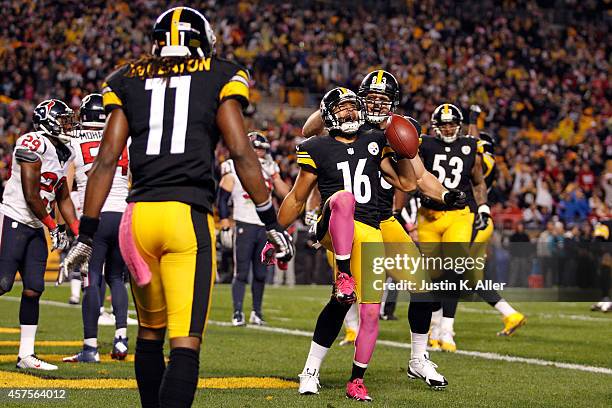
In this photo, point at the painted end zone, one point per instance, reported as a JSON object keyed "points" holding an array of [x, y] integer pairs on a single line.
{"points": [[18, 380]]}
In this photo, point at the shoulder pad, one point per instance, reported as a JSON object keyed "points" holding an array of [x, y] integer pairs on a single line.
{"points": [[26, 156]]}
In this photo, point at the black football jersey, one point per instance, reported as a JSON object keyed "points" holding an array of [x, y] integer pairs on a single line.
{"points": [[452, 164], [173, 129], [353, 167]]}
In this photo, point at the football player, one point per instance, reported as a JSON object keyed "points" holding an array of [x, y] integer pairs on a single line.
{"points": [[174, 105], [106, 255], [380, 92], [455, 161], [345, 165], [38, 179], [249, 233]]}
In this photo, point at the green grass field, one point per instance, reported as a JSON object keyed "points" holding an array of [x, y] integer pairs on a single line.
{"points": [[555, 332]]}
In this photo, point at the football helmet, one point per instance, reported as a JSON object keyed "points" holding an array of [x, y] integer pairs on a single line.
{"points": [[55, 119], [339, 117], [258, 140], [182, 32], [488, 142], [379, 82], [91, 111], [447, 114]]}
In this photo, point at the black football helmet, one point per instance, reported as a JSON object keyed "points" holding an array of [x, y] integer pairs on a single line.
{"points": [[259, 140], [443, 115], [181, 32], [55, 119], [92, 112], [488, 142], [382, 83], [335, 121]]}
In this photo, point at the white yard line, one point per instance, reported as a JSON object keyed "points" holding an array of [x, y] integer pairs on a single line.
{"points": [[388, 343], [544, 315]]}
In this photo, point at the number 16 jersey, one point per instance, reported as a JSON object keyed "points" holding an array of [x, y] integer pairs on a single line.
{"points": [[354, 167]]}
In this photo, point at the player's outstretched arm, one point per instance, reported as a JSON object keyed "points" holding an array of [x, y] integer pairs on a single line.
{"points": [[313, 125], [100, 177], [294, 203], [399, 174], [248, 168], [427, 182]]}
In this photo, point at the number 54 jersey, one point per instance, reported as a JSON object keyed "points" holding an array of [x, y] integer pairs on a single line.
{"points": [[354, 167], [86, 144], [33, 147]]}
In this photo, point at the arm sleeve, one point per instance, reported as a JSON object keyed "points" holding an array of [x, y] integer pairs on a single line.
{"points": [[223, 204]]}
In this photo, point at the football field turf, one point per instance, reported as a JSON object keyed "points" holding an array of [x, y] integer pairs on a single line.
{"points": [[253, 367]]}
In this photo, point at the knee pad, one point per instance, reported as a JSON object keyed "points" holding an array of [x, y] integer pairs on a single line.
{"points": [[343, 201], [33, 294]]}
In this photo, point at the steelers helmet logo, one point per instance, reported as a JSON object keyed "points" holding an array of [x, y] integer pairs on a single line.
{"points": [[373, 148], [466, 150]]}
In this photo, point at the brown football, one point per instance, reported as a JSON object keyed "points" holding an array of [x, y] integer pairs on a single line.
{"points": [[402, 136]]}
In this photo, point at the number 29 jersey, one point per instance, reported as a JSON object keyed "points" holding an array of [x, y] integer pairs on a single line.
{"points": [[353, 167], [172, 125], [54, 165], [86, 144], [452, 164]]}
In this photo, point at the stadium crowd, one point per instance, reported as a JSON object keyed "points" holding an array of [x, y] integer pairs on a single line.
{"points": [[545, 90]]}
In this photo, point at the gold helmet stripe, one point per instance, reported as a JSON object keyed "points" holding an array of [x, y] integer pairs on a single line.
{"points": [[343, 90], [379, 76], [174, 31], [445, 109]]}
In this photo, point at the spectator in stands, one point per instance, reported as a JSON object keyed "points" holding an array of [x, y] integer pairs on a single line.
{"points": [[520, 256]]}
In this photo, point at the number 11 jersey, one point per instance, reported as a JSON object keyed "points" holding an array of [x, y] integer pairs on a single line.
{"points": [[354, 167], [172, 124]]}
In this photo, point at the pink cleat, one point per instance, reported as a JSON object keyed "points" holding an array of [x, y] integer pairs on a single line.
{"points": [[357, 390], [344, 288]]}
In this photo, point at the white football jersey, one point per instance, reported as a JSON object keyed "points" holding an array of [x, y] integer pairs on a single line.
{"points": [[52, 175], [244, 207], [86, 144]]}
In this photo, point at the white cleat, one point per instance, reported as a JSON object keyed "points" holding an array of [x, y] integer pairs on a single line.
{"points": [[106, 319], [425, 369], [447, 341], [309, 383], [256, 319], [132, 322], [35, 363]]}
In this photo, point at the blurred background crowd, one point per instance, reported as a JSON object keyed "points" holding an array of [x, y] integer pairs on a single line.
{"points": [[539, 69]]}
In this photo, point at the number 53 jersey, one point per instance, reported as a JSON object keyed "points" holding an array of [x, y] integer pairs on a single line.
{"points": [[451, 163], [172, 124], [354, 167]]}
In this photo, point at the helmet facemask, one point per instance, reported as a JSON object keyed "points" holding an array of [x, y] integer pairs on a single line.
{"points": [[378, 107], [446, 122], [448, 132], [344, 117]]}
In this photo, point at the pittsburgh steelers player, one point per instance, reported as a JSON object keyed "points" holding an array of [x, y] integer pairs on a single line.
{"points": [[380, 92], [174, 105]]}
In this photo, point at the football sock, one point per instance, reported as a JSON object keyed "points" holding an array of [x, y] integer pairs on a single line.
{"points": [[449, 307], [447, 324], [316, 355], [26, 342], [29, 310], [436, 317], [91, 311], [504, 308], [489, 296], [149, 366], [329, 322], [75, 288], [368, 333], [238, 289], [180, 378], [352, 318], [419, 316], [257, 287], [418, 342], [342, 228], [121, 333], [359, 370], [119, 300], [92, 342]]}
